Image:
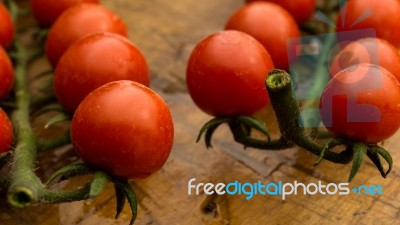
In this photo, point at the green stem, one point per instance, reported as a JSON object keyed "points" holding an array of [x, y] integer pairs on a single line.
{"points": [[59, 196], [286, 108], [25, 184], [25, 187], [241, 137]]}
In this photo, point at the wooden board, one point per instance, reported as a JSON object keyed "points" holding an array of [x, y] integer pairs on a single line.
{"points": [[167, 32]]}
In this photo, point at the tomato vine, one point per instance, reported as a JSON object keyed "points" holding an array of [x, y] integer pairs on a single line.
{"points": [[22, 185]]}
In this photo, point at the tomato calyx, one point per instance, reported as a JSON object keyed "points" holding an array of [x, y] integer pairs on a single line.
{"points": [[279, 87], [240, 126], [359, 150], [123, 190]]}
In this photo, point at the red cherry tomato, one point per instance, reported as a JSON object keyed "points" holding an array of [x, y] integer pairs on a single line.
{"points": [[124, 128], [383, 16], [362, 102], [301, 10], [368, 50], [95, 60], [6, 27], [77, 22], [47, 11], [6, 74], [6, 132], [270, 24], [226, 73]]}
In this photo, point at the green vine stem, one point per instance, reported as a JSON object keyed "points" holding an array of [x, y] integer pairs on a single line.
{"points": [[279, 87], [25, 187], [24, 183], [287, 111]]}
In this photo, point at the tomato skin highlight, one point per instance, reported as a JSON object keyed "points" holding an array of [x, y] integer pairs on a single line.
{"points": [[226, 72], [270, 24], [6, 27], [95, 60], [124, 128], [384, 18], [77, 22], [47, 11], [6, 74], [301, 10], [362, 103], [6, 132], [368, 50]]}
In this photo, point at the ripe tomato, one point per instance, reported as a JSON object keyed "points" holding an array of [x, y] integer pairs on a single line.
{"points": [[270, 24], [47, 11], [6, 132], [6, 74], [226, 73], [77, 22], [124, 128], [368, 50], [301, 10], [95, 60], [383, 16], [362, 102], [6, 27]]}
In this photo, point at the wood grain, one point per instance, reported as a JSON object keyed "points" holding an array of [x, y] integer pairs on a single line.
{"points": [[166, 32]]}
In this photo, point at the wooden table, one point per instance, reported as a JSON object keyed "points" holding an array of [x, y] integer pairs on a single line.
{"points": [[167, 32]]}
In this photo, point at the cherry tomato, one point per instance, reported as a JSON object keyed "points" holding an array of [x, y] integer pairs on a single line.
{"points": [[95, 60], [77, 22], [6, 74], [124, 128], [368, 50], [270, 24], [383, 16], [6, 27], [301, 10], [47, 11], [362, 102], [226, 73], [6, 132]]}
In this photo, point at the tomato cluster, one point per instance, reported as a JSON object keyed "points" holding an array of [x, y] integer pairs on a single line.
{"points": [[228, 68], [102, 79], [361, 102], [123, 128], [225, 70]]}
